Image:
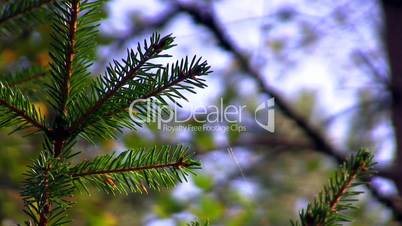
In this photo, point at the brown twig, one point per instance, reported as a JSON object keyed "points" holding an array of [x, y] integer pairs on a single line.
{"points": [[27, 79], [23, 115], [345, 187], [70, 54], [57, 135], [392, 10], [44, 215]]}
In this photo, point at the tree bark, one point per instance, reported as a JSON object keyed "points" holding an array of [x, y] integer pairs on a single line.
{"points": [[393, 44]]}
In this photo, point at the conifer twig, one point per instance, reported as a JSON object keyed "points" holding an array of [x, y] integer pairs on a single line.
{"points": [[23, 115], [79, 100], [43, 217], [70, 52], [19, 13], [130, 170], [15, 107], [28, 79], [149, 54], [337, 197], [177, 165]]}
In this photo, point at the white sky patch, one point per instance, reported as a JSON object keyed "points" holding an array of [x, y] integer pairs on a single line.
{"points": [[186, 191], [184, 32], [386, 145], [301, 203], [183, 29], [385, 186], [121, 12], [246, 188], [162, 222], [385, 153], [313, 74], [235, 10], [237, 15]]}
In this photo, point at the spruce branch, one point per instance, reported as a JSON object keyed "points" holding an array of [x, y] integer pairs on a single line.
{"points": [[338, 196], [196, 223], [163, 85], [45, 190], [87, 107], [135, 78], [168, 80], [118, 76], [27, 79], [43, 217], [24, 76], [66, 17], [18, 14], [74, 27], [17, 110], [136, 170], [19, 8]]}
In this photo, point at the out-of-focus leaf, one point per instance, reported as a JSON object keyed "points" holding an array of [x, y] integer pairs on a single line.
{"points": [[166, 206], [134, 140], [204, 182], [210, 208]]}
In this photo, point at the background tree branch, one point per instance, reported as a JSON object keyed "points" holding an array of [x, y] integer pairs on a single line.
{"points": [[204, 15]]}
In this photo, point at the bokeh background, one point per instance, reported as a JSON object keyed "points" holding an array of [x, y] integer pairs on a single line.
{"points": [[332, 66]]}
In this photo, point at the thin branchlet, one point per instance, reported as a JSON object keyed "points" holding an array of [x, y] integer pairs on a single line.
{"points": [[70, 54], [131, 170], [328, 208], [23, 11], [22, 114], [105, 98], [177, 165], [17, 110], [72, 26], [31, 78], [43, 218], [151, 52], [342, 191]]}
